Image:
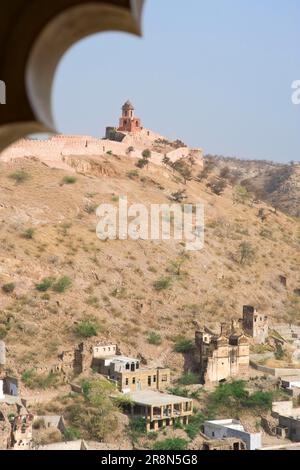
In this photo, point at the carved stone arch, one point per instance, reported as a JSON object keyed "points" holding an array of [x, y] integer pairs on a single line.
{"points": [[34, 35]]}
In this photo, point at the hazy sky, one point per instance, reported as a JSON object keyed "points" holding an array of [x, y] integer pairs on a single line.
{"points": [[216, 74]]}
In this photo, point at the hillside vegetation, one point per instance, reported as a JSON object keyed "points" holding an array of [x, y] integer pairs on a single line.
{"points": [[59, 284]]}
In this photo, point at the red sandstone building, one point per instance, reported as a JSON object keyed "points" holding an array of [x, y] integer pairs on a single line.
{"points": [[128, 122]]}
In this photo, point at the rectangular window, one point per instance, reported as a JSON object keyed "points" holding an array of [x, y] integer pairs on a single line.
{"points": [[126, 381], [133, 380], [154, 378], [149, 381], [164, 378]]}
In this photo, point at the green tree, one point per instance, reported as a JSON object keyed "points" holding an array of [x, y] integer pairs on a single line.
{"points": [[183, 345], [176, 266], [189, 379], [146, 154], [86, 329], [62, 284], [162, 283], [183, 169], [241, 195], [154, 338], [94, 412], [217, 186], [175, 443], [246, 252], [72, 434], [209, 165], [178, 196], [28, 233], [46, 283], [9, 288], [142, 163], [19, 176], [166, 161], [69, 180]]}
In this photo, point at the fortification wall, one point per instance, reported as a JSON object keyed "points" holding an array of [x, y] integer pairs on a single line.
{"points": [[52, 151], [141, 139], [276, 372]]}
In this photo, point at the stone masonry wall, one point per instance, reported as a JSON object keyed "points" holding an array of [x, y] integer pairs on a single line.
{"points": [[53, 150]]}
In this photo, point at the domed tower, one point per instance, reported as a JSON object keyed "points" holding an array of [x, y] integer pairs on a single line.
{"points": [[128, 122]]}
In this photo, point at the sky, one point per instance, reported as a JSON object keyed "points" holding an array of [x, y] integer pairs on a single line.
{"points": [[216, 74]]}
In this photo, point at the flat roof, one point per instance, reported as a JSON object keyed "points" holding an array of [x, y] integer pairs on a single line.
{"points": [[152, 398], [122, 359], [227, 423], [290, 378]]}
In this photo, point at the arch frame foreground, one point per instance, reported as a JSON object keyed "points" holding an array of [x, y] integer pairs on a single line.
{"points": [[34, 37]]}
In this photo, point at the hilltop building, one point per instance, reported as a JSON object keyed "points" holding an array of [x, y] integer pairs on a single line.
{"points": [[129, 139], [128, 122], [221, 356]]}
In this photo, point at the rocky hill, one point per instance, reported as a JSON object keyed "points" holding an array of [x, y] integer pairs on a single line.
{"points": [[56, 274], [277, 184]]}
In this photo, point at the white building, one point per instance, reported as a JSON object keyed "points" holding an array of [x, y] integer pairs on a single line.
{"points": [[101, 350], [290, 381], [224, 428], [121, 364]]}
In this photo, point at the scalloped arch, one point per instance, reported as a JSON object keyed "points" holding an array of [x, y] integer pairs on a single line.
{"points": [[34, 35]]}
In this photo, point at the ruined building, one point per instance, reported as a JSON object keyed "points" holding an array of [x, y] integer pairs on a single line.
{"points": [[69, 363], [22, 432], [221, 356], [255, 324], [228, 443]]}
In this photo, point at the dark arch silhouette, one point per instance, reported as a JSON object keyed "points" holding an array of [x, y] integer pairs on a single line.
{"points": [[34, 34]]}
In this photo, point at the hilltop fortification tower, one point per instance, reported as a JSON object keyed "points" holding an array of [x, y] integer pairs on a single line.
{"points": [[128, 122]]}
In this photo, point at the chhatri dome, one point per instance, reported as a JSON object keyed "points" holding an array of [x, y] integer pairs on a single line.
{"points": [[128, 105]]}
